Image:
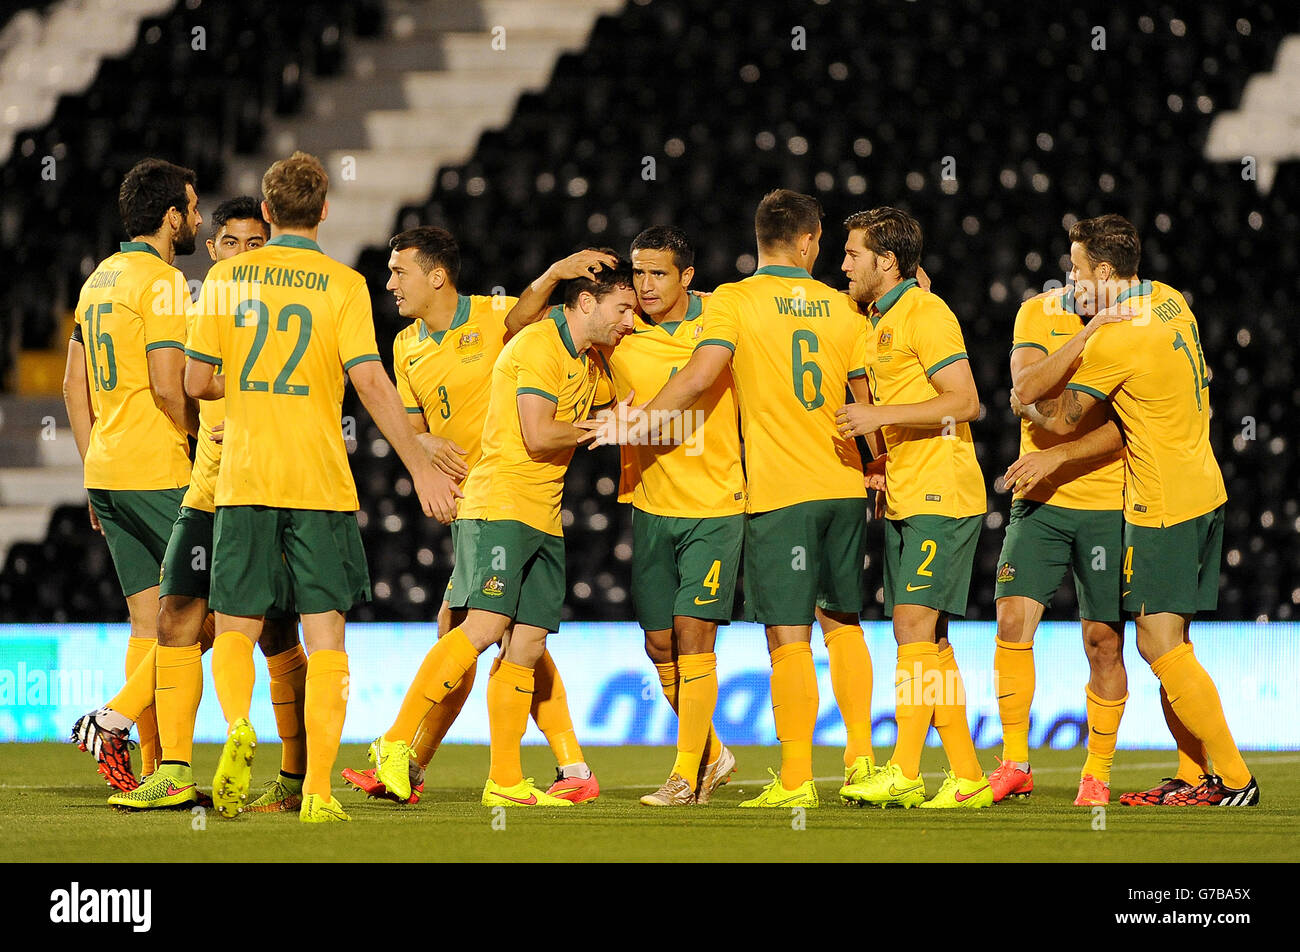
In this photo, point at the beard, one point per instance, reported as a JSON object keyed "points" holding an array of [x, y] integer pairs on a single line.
{"points": [[183, 243]]}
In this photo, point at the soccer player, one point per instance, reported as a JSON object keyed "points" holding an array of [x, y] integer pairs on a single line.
{"points": [[287, 324], [184, 625], [443, 363], [688, 498], [922, 396], [509, 572], [1152, 372], [130, 418], [1071, 518], [788, 340]]}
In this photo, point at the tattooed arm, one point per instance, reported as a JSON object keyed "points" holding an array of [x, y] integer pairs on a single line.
{"points": [[1060, 415]]}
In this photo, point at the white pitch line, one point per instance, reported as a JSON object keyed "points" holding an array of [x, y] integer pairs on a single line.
{"points": [[1258, 756]]}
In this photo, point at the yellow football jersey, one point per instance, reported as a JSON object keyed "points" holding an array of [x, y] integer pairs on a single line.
{"points": [[285, 322], [507, 482], [911, 334], [1046, 323], [792, 340], [133, 303], [701, 476], [1153, 372], [207, 459], [447, 375]]}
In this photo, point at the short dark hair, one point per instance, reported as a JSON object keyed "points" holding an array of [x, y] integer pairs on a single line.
{"points": [[294, 189], [238, 209], [150, 189], [605, 282], [667, 238], [1109, 238], [434, 248], [783, 215], [886, 229]]}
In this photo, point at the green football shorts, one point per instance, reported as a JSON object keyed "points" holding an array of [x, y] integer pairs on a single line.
{"points": [[1173, 568], [1042, 541], [684, 567], [510, 568], [137, 526], [805, 555], [928, 561], [259, 551]]}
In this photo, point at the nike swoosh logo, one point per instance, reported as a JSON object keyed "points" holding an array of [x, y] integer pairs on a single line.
{"points": [[962, 799], [696, 678], [1126, 593], [532, 798], [916, 588], [1001, 696], [571, 376], [448, 685], [1059, 334], [521, 690], [894, 792], [1103, 733], [709, 601], [413, 360], [788, 799], [172, 789], [170, 687]]}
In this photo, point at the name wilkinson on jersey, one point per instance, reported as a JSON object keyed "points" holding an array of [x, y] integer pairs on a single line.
{"points": [[134, 906]]}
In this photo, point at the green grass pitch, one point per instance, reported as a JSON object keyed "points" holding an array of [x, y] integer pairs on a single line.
{"points": [[52, 809]]}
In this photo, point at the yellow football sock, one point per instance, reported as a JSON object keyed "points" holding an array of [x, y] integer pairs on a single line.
{"points": [[444, 665], [180, 686], [141, 656], [509, 696], [137, 693], [550, 709], [668, 680], [1192, 759], [851, 678], [950, 720], [1013, 676], [794, 707], [698, 696], [324, 708], [208, 632], [914, 695], [1103, 726], [434, 727], [233, 673], [1195, 700], [288, 672]]}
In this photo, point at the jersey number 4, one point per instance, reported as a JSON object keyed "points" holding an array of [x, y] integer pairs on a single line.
{"points": [[262, 319]]}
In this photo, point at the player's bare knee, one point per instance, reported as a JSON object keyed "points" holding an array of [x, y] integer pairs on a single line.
{"points": [[694, 635], [1104, 645], [659, 646], [1011, 622]]}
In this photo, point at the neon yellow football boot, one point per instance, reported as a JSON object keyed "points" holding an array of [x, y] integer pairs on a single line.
{"points": [[775, 795], [282, 795], [958, 794], [392, 760], [316, 809], [171, 785], [860, 771], [234, 769], [522, 794], [886, 787]]}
